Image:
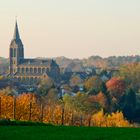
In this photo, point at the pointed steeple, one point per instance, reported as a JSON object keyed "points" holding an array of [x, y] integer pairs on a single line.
{"points": [[16, 32]]}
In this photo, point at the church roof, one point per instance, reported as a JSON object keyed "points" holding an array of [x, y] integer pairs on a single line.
{"points": [[16, 37], [37, 62], [29, 74], [16, 32]]}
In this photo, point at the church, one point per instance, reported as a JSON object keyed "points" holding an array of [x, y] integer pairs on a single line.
{"points": [[29, 70]]}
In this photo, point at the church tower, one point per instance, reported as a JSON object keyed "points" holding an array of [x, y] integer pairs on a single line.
{"points": [[16, 54]]}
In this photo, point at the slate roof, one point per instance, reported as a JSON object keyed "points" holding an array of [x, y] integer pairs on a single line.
{"points": [[16, 37], [37, 62], [30, 74]]}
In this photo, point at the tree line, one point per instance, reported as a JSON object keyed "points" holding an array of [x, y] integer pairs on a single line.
{"points": [[102, 103]]}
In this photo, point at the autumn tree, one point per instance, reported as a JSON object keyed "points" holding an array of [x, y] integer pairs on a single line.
{"points": [[27, 107], [51, 101], [130, 73], [6, 106], [1, 77], [75, 80], [93, 85], [100, 99], [109, 120], [80, 105], [116, 89]]}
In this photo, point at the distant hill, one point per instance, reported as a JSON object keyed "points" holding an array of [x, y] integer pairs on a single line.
{"points": [[80, 64], [96, 61]]}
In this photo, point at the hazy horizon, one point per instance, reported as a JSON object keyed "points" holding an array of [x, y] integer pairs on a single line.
{"points": [[74, 29], [53, 57]]}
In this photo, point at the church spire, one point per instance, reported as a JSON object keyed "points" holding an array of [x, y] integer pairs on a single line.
{"points": [[16, 32]]}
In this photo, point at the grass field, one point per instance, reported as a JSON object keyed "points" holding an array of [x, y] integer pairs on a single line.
{"points": [[67, 133]]}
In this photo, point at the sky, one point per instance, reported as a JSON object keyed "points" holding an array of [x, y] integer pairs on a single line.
{"points": [[72, 28]]}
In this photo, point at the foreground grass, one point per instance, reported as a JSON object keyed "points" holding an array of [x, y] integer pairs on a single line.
{"points": [[67, 133]]}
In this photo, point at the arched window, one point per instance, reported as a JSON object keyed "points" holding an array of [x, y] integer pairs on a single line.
{"points": [[31, 70], [22, 70], [35, 70], [27, 70], [39, 70], [31, 80]]}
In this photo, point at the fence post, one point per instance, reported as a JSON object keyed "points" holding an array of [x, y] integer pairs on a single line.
{"points": [[42, 112], [30, 110], [81, 120], [89, 121], [72, 119], [14, 107], [62, 117], [52, 114]]}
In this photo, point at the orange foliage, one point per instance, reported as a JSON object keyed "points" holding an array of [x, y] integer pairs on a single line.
{"points": [[28, 107], [23, 102], [6, 106], [116, 87], [99, 98]]}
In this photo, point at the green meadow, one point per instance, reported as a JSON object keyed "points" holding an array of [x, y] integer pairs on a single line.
{"points": [[67, 133]]}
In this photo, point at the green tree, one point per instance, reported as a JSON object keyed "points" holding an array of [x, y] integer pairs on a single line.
{"points": [[45, 85], [81, 103], [129, 104], [8, 91], [131, 74]]}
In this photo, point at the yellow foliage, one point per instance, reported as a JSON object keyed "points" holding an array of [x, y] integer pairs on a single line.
{"points": [[110, 120], [1, 77], [28, 107], [98, 119], [117, 120]]}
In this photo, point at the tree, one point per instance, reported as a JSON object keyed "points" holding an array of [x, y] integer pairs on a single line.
{"points": [[117, 120], [129, 104], [81, 103], [78, 106], [116, 87], [130, 73], [101, 99], [75, 80], [93, 85], [8, 91], [6, 106], [110, 120], [104, 88], [27, 107], [45, 85], [1, 77]]}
